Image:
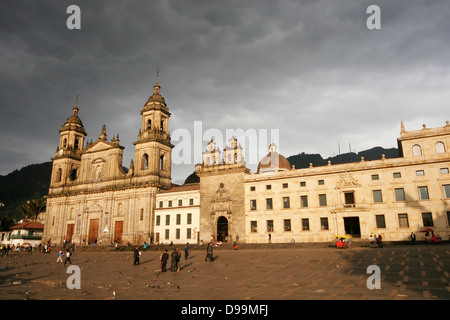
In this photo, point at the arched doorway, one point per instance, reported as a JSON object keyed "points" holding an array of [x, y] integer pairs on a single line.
{"points": [[222, 229]]}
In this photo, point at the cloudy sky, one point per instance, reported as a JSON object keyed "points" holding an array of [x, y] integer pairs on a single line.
{"points": [[310, 72]]}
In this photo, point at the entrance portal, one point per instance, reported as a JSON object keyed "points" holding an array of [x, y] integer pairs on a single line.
{"points": [[222, 229], [93, 231], [352, 226]]}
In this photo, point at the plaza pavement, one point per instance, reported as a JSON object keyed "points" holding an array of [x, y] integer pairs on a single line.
{"points": [[268, 272]]}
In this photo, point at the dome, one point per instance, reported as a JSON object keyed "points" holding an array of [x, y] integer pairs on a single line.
{"points": [[192, 178], [273, 162]]}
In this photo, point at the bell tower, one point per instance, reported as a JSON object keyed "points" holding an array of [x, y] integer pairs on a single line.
{"points": [[66, 162], [153, 150]]}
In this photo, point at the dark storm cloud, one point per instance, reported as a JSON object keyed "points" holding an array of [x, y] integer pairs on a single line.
{"points": [[311, 69]]}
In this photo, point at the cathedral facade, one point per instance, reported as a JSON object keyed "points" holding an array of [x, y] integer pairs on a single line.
{"points": [[93, 198]]}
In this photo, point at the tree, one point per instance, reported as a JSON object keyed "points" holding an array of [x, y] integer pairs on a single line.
{"points": [[32, 208]]}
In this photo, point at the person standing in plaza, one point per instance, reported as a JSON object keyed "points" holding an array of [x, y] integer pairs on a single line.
{"points": [[60, 253], [413, 238], [186, 251], [136, 255], [164, 258]]}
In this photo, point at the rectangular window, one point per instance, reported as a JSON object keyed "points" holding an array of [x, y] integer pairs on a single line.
{"points": [[287, 224], [446, 188], [252, 204], [322, 200], [305, 224], [381, 221], [324, 224], [302, 183], [423, 193], [189, 218], [269, 205], [141, 215], [167, 234], [403, 220], [268, 187], [178, 218], [420, 173], [191, 201], [304, 201], [167, 220], [170, 204], [397, 175], [252, 188], [448, 218], [177, 233], [399, 194], [269, 225], [253, 226], [188, 233], [180, 202], [377, 196], [160, 204], [443, 170], [375, 177], [285, 185], [158, 220], [286, 203], [427, 219], [321, 182], [349, 198]]}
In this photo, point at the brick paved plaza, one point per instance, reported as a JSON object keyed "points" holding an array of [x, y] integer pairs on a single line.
{"points": [[279, 272]]}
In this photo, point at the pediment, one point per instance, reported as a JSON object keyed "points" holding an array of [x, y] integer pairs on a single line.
{"points": [[98, 146]]}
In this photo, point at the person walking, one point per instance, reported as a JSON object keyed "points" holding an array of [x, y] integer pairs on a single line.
{"points": [[164, 258], [209, 252], [136, 255], [186, 251], [175, 256], [68, 254], [60, 253]]}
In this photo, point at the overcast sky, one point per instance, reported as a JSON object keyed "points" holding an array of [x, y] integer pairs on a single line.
{"points": [[310, 70]]}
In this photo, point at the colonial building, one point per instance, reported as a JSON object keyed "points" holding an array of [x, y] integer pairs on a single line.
{"points": [[93, 197]]}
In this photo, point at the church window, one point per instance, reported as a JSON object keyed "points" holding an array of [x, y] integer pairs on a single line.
{"points": [[73, 174], [416, 150], [162, 125], [145, 162], [440, 148], [77, 143], [149, 124], [65, 143], [161, 162], [58, 175]]}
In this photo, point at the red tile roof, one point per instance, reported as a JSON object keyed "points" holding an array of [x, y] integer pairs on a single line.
{"points": [[28, 225]]}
